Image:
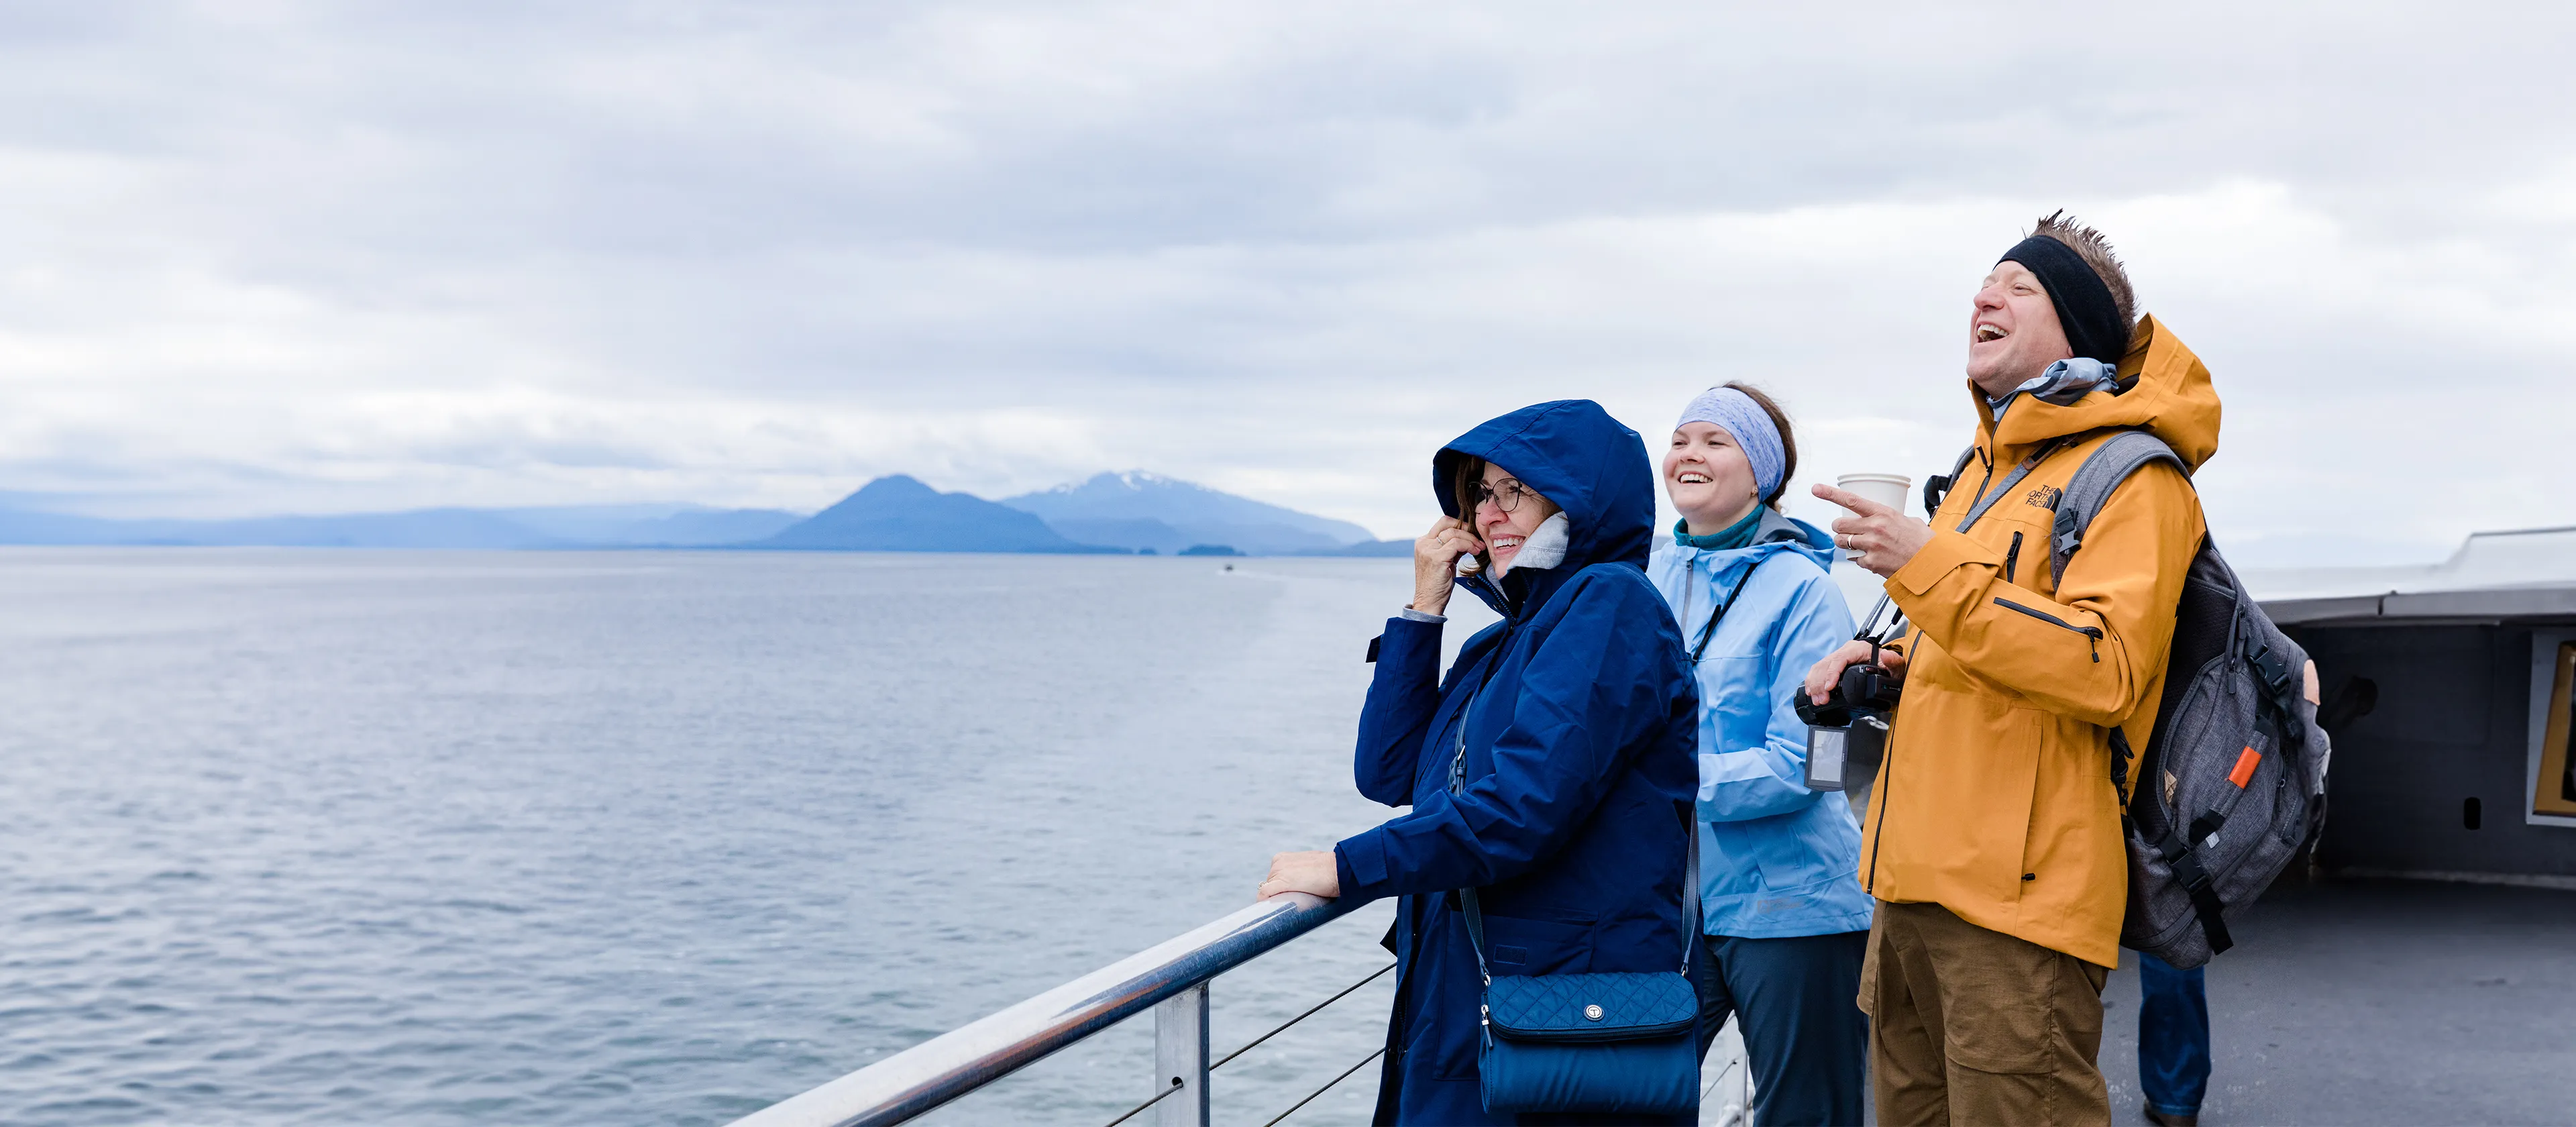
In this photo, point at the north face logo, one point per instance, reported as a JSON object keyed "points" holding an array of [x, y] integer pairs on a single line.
{"points": [[2044, 496]]}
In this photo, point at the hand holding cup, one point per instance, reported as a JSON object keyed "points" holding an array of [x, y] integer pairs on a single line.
{"points": [[1879, 537]]}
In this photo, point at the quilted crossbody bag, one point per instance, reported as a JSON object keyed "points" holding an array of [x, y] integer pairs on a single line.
{"points": [[1598, 1043]]}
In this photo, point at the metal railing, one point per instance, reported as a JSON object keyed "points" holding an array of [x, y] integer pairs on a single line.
{"points": [[1170, 977]]}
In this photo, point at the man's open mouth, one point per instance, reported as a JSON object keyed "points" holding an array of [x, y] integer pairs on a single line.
{"points": [[1988, 330]]}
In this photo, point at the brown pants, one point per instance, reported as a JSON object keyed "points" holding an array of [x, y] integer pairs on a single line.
{"points": [[1971, 1026]]}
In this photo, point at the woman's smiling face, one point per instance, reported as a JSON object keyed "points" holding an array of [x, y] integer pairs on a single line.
{"points": [[1708, 477], [1504, 532]]}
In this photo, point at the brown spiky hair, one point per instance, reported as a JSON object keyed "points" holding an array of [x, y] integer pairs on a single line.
{"points": [[2096, 252]]}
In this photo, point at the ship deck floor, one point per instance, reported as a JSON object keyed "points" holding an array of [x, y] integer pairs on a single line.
{"points": [[2381, 1002], [2370, 1002]]}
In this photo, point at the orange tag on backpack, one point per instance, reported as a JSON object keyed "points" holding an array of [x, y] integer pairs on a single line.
{"points": [[2245, 765]]}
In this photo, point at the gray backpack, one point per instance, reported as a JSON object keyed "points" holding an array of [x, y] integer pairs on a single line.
{"points": [[2232, 782]]}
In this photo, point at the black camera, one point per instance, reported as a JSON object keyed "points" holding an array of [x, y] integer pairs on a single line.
{"points": [[1864, 690], [1851, 723]]}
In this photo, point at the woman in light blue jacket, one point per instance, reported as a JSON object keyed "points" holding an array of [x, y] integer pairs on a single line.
{"points": [[1781, 903]]}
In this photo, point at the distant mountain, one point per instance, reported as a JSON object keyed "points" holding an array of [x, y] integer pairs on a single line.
{"points": [[900, 514], [421, 528], [22, 527], [1132, 535], [1110, 512], [700, 528], [1377, 548], [654, 526], [1136, 510]]}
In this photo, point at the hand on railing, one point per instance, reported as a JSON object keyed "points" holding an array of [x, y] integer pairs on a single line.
{"points": [[1312, 872]]}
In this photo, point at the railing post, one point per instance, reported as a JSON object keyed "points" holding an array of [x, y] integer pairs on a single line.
{"points": [[1181, 1054]]}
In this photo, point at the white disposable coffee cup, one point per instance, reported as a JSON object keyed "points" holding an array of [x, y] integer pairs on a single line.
{"points": [[1888, 489]]}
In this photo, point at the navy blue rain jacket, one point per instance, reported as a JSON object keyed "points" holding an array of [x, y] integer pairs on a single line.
{"points": [[1579, 762]]}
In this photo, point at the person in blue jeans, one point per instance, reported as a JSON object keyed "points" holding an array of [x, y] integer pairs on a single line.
{"points": [[2173, 1041], [1785, 920]]}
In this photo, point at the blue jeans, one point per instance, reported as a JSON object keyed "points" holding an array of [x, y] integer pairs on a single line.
{"points": [[2173, 1036], [1798, 1001]]}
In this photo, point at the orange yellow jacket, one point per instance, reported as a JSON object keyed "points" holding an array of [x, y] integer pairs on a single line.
{"points": [[1995, 800]]}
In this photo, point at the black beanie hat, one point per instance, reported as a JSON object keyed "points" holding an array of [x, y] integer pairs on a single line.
{"points": [[2084, 305]]}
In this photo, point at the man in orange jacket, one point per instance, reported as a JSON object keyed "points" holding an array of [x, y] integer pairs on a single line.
{"points": [[1994, 843]]}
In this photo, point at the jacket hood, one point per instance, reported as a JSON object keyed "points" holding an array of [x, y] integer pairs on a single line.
{"points": [[1773, 533], [2165, 390], [1574, 454], [1793, 535]]}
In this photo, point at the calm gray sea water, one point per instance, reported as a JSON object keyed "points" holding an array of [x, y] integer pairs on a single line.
{"points": [[333, 837]]}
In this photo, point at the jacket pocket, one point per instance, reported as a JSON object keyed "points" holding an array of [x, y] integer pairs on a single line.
{"points": [[1514, 945], [2092, 634], [1797, 851], [2002, 822]]}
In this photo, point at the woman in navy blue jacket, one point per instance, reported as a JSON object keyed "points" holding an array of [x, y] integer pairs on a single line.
{"points": [[1578, 750]]}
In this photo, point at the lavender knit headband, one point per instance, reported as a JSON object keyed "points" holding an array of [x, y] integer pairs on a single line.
{"points": [[1741, 417]]}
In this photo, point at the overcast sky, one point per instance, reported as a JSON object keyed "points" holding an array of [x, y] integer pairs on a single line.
{"points": [[270, 257]]}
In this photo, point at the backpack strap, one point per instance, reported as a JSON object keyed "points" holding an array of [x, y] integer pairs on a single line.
{"points": [[2103, 470], [1938, 486], [2197, 884], [1995, 491]]}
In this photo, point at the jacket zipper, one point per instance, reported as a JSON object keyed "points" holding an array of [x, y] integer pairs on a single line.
{"points": [[1987, 461], [2012, 557], [2093, 634]]}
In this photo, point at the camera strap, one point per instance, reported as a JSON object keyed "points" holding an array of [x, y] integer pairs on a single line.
{"points": [[1719, 612]]}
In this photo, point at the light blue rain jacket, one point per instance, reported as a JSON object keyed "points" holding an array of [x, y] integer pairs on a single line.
{"points": [[1777, 859]]}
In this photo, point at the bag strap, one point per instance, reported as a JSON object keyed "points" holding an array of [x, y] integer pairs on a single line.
{"points": [[1691, 918], [1710, 631], [2110, 464], [1475, 913], [2102, 472], [1474, 910]]}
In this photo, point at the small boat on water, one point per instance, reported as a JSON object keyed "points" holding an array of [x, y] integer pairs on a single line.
{"points": [[2416, 969]]}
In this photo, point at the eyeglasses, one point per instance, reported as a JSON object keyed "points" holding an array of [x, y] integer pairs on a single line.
{"points": [[1506, 494]]}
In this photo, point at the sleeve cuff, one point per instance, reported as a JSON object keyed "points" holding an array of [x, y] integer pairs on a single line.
{"points": [[1411, 615], [1359, 864], [1940, 556]]}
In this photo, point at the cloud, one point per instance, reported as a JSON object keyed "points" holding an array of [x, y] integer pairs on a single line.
{"points": [[290, 256]]}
